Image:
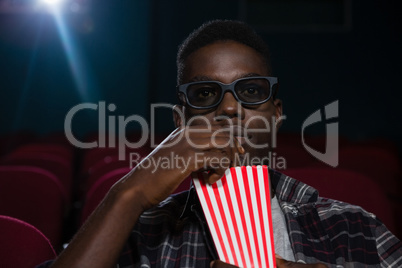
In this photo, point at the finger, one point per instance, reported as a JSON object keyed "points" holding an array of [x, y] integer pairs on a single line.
{"points": [[281, 263], [213, 177], [214, 159], [214, 170], [218, 161], [220, 264], [210, 137]]}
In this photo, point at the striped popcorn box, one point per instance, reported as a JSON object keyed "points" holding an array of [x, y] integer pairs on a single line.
{"points": [[238, 211]]}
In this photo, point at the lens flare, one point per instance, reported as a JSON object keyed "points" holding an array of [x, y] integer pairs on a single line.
{"points": [[52, 2]]}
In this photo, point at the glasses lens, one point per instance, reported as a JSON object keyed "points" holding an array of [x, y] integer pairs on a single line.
{"points": [[203, 94], [253, 90]]}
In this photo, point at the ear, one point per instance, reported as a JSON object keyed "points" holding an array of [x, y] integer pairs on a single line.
{"points": [[178, 115], [278, 113]]}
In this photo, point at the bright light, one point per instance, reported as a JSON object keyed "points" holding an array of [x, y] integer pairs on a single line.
{"points": [[52, 6], [52, 2]]}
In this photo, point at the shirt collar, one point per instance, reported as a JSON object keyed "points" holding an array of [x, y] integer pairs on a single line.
{"points": [[288, 189]]}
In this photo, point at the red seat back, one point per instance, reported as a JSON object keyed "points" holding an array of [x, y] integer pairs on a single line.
{"points": [[22, 245], [380, 164], [33, 195], [57, 165], [99, 189], [58, 150]]}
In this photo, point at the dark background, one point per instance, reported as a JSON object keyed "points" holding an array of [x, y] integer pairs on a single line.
{"points": [[123, 52]]}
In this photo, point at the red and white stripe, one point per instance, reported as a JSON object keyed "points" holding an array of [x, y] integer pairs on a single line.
{"points": [[238, 211]]}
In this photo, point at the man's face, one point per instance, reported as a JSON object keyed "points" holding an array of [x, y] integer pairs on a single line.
{"points": [[226, 62]]}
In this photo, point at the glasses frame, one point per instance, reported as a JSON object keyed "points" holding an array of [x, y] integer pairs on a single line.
{"points": [[182, 89]]}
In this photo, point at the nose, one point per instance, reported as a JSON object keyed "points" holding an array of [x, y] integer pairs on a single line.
{"points": [[229, 108]]}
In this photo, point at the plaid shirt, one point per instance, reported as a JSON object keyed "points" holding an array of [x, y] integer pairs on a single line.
{"points": [[175, 233]]}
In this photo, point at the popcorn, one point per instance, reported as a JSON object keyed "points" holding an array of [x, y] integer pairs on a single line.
{"points": [[238, 212]]}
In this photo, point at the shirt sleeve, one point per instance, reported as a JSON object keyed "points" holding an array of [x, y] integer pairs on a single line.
{"points": [[389, 247]]}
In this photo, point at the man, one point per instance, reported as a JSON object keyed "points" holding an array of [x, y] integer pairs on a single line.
{"points": [[227, 97]]}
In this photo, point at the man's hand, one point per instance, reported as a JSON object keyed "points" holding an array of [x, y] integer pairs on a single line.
{"points": [[220, 264], [100, 241], [284, 263], [280, 263], [210, 148]]}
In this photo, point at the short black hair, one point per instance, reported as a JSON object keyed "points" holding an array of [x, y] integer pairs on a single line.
{"points": [[220, 30]]}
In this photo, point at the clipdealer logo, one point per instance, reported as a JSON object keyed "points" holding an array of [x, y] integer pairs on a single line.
{"points": [[331, 154], [108, 123]]}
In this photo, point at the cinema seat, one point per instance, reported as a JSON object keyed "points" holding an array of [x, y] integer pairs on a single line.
{"points": [[58, 150], [22, 245], [103, 167], [57, 165], [99, 189], [380, 164], [36, 196]]}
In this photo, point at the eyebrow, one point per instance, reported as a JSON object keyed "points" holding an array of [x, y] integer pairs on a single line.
{"points": [[207, 78]]}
